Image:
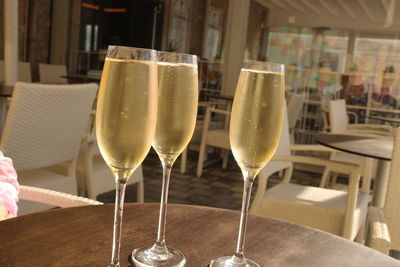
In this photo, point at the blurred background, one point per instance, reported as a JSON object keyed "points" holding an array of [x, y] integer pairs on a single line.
{"points": [[331, 48]]}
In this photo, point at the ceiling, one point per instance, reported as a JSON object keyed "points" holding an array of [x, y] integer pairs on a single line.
{"points": [[363, 15]]}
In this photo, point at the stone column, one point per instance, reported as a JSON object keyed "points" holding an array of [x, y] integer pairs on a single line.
{"points": [[10, 41], [235, 44], [59, 32]]}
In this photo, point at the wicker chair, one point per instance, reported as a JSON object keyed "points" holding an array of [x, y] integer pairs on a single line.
{"points": [[339, 125], [385, 223], [43, 133], [334, 211], [54, 198], [50, 73]]}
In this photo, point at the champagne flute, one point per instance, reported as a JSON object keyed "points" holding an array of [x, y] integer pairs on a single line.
{"points": [[176, 119], [254, 133], [125, 119]]}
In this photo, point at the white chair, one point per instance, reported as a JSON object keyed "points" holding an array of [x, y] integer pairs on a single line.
{"points": [[196, 138], [334, 211], [217, 137], [385, 223], [50, 73], [43, 133], [24, 71], [339, 122], [213, 137], [294, 107], [95, 177], [53, 198]]}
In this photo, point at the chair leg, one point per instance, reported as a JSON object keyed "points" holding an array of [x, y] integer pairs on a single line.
{"points": [[367, 175], [287, 174], [140, 192], [334, 178], [225, 155], [200, 162], [183, 161], [360, 238], [324, 179]]}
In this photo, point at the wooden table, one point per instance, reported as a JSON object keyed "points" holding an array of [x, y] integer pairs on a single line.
{"points": [[79, 78], [82, 237], [378, 148]]}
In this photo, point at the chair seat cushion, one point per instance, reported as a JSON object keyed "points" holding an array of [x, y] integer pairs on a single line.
{"points": [[312, 206]]}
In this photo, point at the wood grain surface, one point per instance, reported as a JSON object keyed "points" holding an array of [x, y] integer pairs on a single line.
{"points": [[82, 237]]}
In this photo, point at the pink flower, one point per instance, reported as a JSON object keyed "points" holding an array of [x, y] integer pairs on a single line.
{"points": [[9, 186]]}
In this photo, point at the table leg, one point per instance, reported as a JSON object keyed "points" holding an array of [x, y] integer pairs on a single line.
{"points": [[381, 182]]}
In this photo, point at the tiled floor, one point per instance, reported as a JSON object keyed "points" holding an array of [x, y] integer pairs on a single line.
{"points": [[217, 187]]}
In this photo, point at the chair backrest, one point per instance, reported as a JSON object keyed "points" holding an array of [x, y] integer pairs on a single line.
{"points": [[392, 202], [46, 123], [338, 120], [282, 150], [24, 72], [294, 107], [50, 73]]}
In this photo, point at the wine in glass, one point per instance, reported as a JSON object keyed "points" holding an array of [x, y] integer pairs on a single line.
{"points": [[254, 133], [176, 119], [126, 119]]}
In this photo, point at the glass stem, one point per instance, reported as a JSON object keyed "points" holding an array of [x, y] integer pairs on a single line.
{"points": [[248, 184], [167, 166], [118, 211]]}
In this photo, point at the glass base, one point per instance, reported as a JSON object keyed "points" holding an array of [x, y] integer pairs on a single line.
{"points": [[232, 261], [156, 256]]}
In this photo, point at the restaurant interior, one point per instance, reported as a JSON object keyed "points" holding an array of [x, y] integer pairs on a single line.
{"points": [[319, 119]]}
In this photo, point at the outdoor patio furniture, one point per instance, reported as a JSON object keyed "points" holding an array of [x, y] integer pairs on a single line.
{"points": [[334, 211], [385, 222], [43, 132], [50, 73]]}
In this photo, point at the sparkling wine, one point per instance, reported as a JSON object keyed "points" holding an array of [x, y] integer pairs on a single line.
{"points": [[257, 113], [126, 114], [177, 107]]}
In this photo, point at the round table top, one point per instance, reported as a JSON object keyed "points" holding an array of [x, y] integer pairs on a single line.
{"points": [[378, 148], [82, 237]]}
